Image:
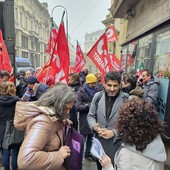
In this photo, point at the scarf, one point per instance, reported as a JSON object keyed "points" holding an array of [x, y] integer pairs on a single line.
{"points": [[91, 91]]}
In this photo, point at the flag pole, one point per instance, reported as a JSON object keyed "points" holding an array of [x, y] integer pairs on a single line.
{"points": [[66, 16], [52, 55]]}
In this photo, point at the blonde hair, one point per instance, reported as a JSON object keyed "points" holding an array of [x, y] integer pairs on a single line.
{"points": [[7, 89]]}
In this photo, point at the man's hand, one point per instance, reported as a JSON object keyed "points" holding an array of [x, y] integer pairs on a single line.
{"points": [[97, 128], [105, 133]]}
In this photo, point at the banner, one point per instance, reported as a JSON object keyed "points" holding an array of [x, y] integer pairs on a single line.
{"points": [[57, 68], [99, 54], [80, 61], [111, 34], [114, 62], [5, 62], [52, 41]]}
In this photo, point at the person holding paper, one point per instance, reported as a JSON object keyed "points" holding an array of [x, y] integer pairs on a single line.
{"points": [[103, 112], [142, 148]]}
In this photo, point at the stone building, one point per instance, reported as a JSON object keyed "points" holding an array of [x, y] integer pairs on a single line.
{"points": [[120, 25], [32, 28], [147, 46]]}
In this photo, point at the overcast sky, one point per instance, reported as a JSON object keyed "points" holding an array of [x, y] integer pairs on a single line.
{"points": [[84, 16]]}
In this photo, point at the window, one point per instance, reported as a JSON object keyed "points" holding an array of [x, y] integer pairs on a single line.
{"points": [[131, 58], [138, 54], [144, 48], [26, 22], [162, 55], [32, 26], [123, 58], [21, 19], [24, 54], [24, 41]]}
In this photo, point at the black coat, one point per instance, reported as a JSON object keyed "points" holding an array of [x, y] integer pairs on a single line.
{"points": [[7, 111], [82, 105]]}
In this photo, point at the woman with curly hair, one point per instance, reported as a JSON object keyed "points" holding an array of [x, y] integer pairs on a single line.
{"points": [[139, 127]]}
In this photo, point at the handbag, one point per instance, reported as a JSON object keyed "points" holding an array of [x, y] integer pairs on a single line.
{"points": [[12, 135], [74, 140]]}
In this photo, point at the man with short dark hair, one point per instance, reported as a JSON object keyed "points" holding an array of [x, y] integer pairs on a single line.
{"points": [[150, 86], [104, 110]]}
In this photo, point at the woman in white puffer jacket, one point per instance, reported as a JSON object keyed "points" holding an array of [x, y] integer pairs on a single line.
{"points": [[139, 127]]}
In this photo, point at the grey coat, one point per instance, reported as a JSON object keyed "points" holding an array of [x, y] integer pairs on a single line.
{"points": [[98, 115], [151, 90]]}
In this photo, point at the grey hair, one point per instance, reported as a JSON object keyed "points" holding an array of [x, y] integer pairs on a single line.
{"points": [[57, 97]]}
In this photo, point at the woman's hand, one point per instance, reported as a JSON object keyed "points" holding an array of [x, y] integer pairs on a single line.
{"points": [[65, 151], [67, 122], [105, 161]]}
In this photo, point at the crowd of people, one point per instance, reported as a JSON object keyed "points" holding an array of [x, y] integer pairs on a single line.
{"points": [[120, 112]]}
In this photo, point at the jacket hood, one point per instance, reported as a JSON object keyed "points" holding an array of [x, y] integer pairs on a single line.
{"points": [[8, 100], [155, 150], [26, 111]]}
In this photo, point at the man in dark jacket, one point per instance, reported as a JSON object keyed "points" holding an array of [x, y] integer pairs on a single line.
{"points": [[84, 98], [83, 75], [104, 111], [34, 89]]}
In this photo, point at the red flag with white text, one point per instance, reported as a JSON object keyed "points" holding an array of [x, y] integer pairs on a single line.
{"points": [[80, 61], [114, 62], [111, 34], [5, 62], [99, 54], [57, 68]]}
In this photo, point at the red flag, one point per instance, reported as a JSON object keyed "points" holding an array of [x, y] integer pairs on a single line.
{"points": [[99, 54], [111, 34], [80, 61], [71, 69], [57, 68], [114, 61], [12, 79], [52, 41], [5, 63]]}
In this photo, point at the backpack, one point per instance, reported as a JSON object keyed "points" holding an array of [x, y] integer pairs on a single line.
{"points": [[98, 99]]}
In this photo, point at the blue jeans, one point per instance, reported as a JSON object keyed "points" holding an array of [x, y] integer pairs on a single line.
{"points": [[6, 158], [88, 140]]}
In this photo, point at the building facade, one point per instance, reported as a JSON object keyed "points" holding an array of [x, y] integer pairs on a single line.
{"points": [[147, 46], [32, 28], [120, 25]]}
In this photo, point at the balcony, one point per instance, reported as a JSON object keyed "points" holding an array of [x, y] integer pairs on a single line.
{"points": [[120, 8]]}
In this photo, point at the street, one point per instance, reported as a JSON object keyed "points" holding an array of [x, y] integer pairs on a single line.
{"points": [[87, 165]]}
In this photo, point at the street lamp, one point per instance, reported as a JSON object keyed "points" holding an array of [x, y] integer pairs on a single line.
{"points": [[66, 16]]}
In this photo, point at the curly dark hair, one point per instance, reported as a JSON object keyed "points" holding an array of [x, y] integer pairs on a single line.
{"points": [[138, 123], [112, 75]]}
